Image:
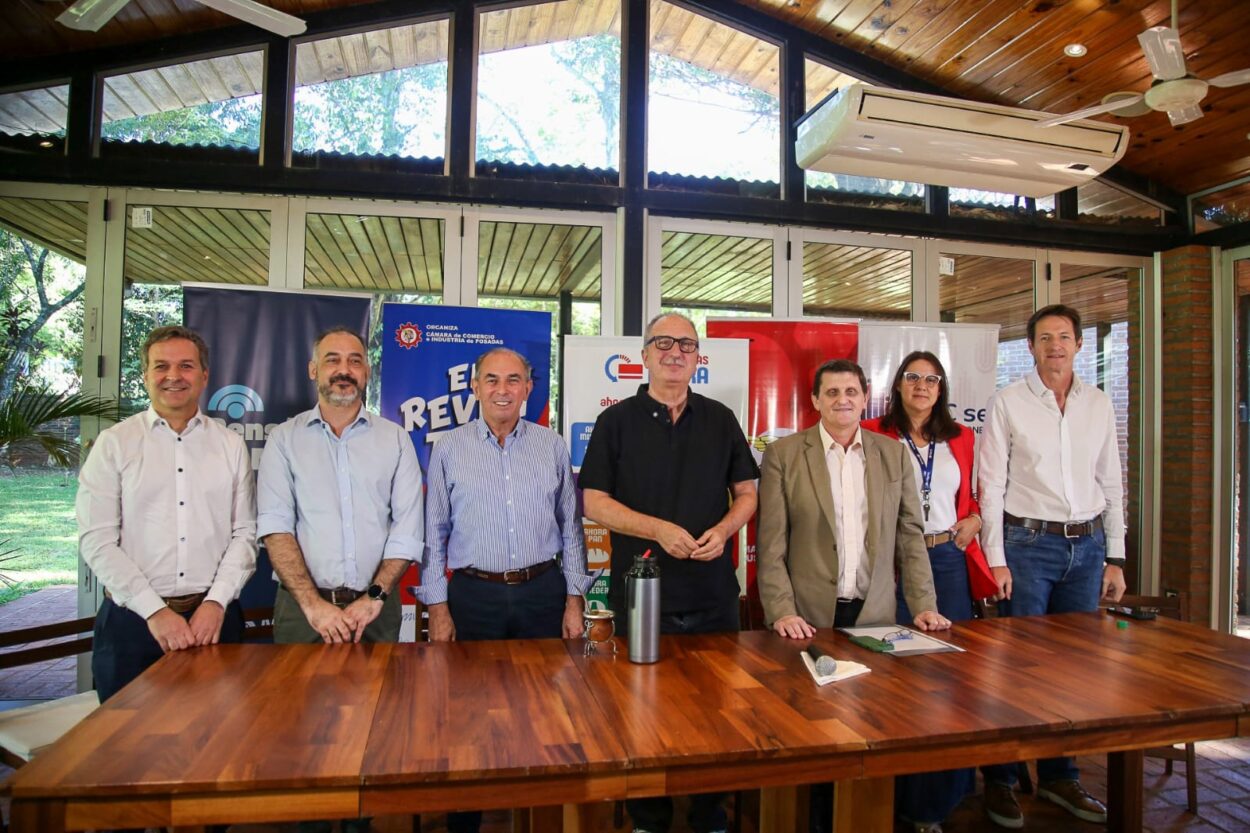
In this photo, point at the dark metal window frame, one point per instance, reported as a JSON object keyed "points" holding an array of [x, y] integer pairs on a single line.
{"points": [[81, 164]]}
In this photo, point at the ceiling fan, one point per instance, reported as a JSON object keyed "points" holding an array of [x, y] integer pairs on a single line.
{"points": [[1174, 91], [90, 15]]}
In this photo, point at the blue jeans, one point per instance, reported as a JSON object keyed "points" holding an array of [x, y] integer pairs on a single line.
{"points": [[931, 796], [1049, 574]]}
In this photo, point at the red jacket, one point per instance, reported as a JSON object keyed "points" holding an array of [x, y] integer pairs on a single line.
{"points": [[962, 448]]}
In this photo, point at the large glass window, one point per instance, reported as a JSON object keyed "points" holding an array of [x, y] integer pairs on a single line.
{"points": [[996, 205], [381, 93], [715, 276], [43, 247], [167, 246], [847, 281], [396, 259], [1226, 207], [547, 267], [39, 113], [978, 289], [1106, 297], [821, 81], [1098, 202], [214, 103], [712, 105], [573, 116]]}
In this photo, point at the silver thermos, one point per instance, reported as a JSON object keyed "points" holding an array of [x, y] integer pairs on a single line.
{"points": [[642, 604]]}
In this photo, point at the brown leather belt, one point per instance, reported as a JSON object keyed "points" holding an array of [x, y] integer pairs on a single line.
{"points": [[932, 539], [510, 576], [340, 595], [178, 604], [1069, 529]]}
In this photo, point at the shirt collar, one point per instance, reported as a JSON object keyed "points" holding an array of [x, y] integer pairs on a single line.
{"points": [[1035, 383], [484, 432], [313, 417], [151, 419], [827, 441]]}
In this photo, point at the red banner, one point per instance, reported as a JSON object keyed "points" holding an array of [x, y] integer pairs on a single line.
{"points": [[783, 357]]}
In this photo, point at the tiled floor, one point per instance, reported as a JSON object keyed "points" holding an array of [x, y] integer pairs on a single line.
{"points": [[1223, 768]]}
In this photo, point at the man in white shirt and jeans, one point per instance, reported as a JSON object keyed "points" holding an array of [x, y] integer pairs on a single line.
{"points": [[1053, 507], [166, 520]]}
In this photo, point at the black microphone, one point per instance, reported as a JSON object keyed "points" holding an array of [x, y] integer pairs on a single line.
{"points": [[825, 664]]}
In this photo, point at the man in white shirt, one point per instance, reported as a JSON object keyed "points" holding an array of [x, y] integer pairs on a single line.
{"points": [[166, 519], [1053, 506]]}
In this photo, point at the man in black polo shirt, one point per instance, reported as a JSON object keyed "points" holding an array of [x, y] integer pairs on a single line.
{"points": [[659, 472]]}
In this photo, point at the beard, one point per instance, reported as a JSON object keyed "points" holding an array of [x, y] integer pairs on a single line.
{"points": [[332, 396]]}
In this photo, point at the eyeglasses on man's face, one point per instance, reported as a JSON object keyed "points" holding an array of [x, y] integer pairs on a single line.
{"points": [[916, 378], [687, 345]]}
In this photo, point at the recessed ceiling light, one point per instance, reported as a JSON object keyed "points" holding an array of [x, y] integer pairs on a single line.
{"points": [[46, 143], [1075, 50]]}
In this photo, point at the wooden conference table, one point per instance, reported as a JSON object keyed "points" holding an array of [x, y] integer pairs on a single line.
{"points": [[265, 733]]}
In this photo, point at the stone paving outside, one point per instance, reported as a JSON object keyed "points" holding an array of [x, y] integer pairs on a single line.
{"points": [[1223, 766]]}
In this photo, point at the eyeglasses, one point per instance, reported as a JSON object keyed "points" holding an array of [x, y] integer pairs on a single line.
{"points": [[897, 636], [688, 345], [915, 378]]}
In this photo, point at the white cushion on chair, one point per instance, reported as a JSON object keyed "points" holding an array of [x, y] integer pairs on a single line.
{"points": [[27, 731]]}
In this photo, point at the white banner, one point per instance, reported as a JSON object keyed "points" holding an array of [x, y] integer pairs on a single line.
{"points": [[969, 353], [600, 371]]}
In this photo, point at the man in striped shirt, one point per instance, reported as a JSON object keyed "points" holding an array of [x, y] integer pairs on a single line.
{"points": [[502, 513]]}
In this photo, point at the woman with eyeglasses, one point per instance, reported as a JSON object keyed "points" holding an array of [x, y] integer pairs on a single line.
{"points": [[918, 415]]}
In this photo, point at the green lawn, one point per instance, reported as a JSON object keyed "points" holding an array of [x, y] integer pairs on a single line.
{"points": [[38, 530]]}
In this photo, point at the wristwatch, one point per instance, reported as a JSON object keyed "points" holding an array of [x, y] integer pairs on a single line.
{"points": [[375, 591], [1115, 562]]}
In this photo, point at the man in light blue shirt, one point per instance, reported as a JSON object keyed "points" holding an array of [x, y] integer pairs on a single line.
{"points": [[339, 507], [502, 514]]}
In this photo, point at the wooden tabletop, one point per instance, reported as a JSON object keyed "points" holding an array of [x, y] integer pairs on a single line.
{"points": [[495, 724]]}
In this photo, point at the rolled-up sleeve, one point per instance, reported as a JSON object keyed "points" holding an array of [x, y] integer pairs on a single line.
{"points": [[403, 536], [275, 487]]}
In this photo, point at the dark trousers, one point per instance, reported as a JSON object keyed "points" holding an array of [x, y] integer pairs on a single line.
{"points": [[482, 609], [930, 796], [290, 626], [820, 807], [707, 810], [122, 647]]}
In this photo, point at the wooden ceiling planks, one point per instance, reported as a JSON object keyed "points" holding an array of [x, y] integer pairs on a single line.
{"points": [[1006, 51], [857, 281], [58, 225], [715, 270]]}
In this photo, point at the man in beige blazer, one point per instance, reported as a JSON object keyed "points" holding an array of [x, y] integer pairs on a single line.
{"points": [[838, 515]]}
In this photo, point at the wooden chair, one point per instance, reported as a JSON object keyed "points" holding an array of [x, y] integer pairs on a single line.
{"points": [[1173, 607]]}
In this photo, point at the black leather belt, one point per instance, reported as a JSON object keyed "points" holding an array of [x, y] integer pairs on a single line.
{"points": [[178, 604], [1068, 529], [340, 595], [510, 576]]}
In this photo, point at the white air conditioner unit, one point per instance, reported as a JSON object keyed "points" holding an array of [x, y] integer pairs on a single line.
{"points": [[891, 134]]}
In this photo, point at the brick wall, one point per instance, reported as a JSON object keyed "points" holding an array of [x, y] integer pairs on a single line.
{"points": [[1187, 461]]}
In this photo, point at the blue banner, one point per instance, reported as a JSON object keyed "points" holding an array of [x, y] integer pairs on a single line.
{"points": [[427, 364], [260, 343]]}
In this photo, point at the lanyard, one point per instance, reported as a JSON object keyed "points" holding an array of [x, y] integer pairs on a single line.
{"points": [[926, 471]]}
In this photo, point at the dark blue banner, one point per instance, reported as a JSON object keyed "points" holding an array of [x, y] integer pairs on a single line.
{"points": [[260, 343], [427, 364]]}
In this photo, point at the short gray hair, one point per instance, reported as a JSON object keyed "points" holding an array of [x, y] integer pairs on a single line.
{"points": [[477, 363], [646, 334], [338, 328]]}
